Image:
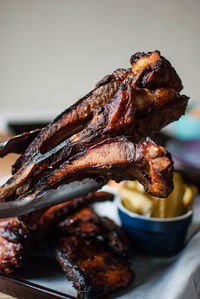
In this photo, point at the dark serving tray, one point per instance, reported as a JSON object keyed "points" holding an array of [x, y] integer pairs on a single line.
{"points": [[41, 279], [23, 289]]}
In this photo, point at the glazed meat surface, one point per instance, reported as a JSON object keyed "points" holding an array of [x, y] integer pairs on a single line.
{"points": [[45, 221], [87, 254], [87, 223], [94, 269], [132, 103], [149, 70], [116, 158], [18, 237], [90, 249], [13, 244]]}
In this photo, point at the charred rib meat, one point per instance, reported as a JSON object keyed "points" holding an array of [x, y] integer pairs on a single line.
{"points": [[44, 221], [17, 236], [88, 244], [14, 237], [135, 103], [149, 70], [94, 269], [87, 253], [89, 224], [116, 158]]}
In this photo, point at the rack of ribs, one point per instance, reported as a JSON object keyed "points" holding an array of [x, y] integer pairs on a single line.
{"points": [[18, 236], [105, 131], [86, 244], [14, 237], [91, 252]]}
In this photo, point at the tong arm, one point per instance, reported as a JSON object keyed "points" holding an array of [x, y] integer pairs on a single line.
{"points": [[51, 197]]}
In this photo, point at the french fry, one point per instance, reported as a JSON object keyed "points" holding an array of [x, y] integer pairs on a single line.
{"points": [[188, 197], [135, 201], [177, 203]]}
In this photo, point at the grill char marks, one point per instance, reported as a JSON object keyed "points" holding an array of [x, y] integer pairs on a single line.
{"points": [[87, 254], [90, 248], [18, 236], [133, 112], [118, 159], [14, 238], [44, 221], [74, 118], [94, 269], [135, 103], [89, 224]]}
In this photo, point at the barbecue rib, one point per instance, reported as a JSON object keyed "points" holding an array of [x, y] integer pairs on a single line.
{"points": [[17, 235], [93, 244], [44, 221], [149, 70], [136, 102], [14, 238], [87, 253], [116, 158], [89, 224]]}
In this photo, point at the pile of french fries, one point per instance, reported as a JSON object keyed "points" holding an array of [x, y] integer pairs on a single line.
{"points": [[135, 199]]}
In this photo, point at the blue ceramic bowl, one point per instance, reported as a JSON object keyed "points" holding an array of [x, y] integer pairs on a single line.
{"points": [[155, 236]]}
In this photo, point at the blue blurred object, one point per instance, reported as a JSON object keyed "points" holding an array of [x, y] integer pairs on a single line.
{"points": [[187, 127], [155, 236]]}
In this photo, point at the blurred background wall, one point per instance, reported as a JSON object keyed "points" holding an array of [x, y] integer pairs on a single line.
{"points": [[52, 52]]}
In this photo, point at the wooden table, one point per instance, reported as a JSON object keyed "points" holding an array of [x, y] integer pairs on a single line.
{"points": [[4, 296], [6, 162]]}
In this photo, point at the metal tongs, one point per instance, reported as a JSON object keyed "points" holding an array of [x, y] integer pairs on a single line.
{"points": [[67, 192], [18, 143], [51, 197]]}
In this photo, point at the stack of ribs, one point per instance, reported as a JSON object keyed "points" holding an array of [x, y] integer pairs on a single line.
{"points": [[17, 234], [106, 133], [91, 250], [13, 244]]}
